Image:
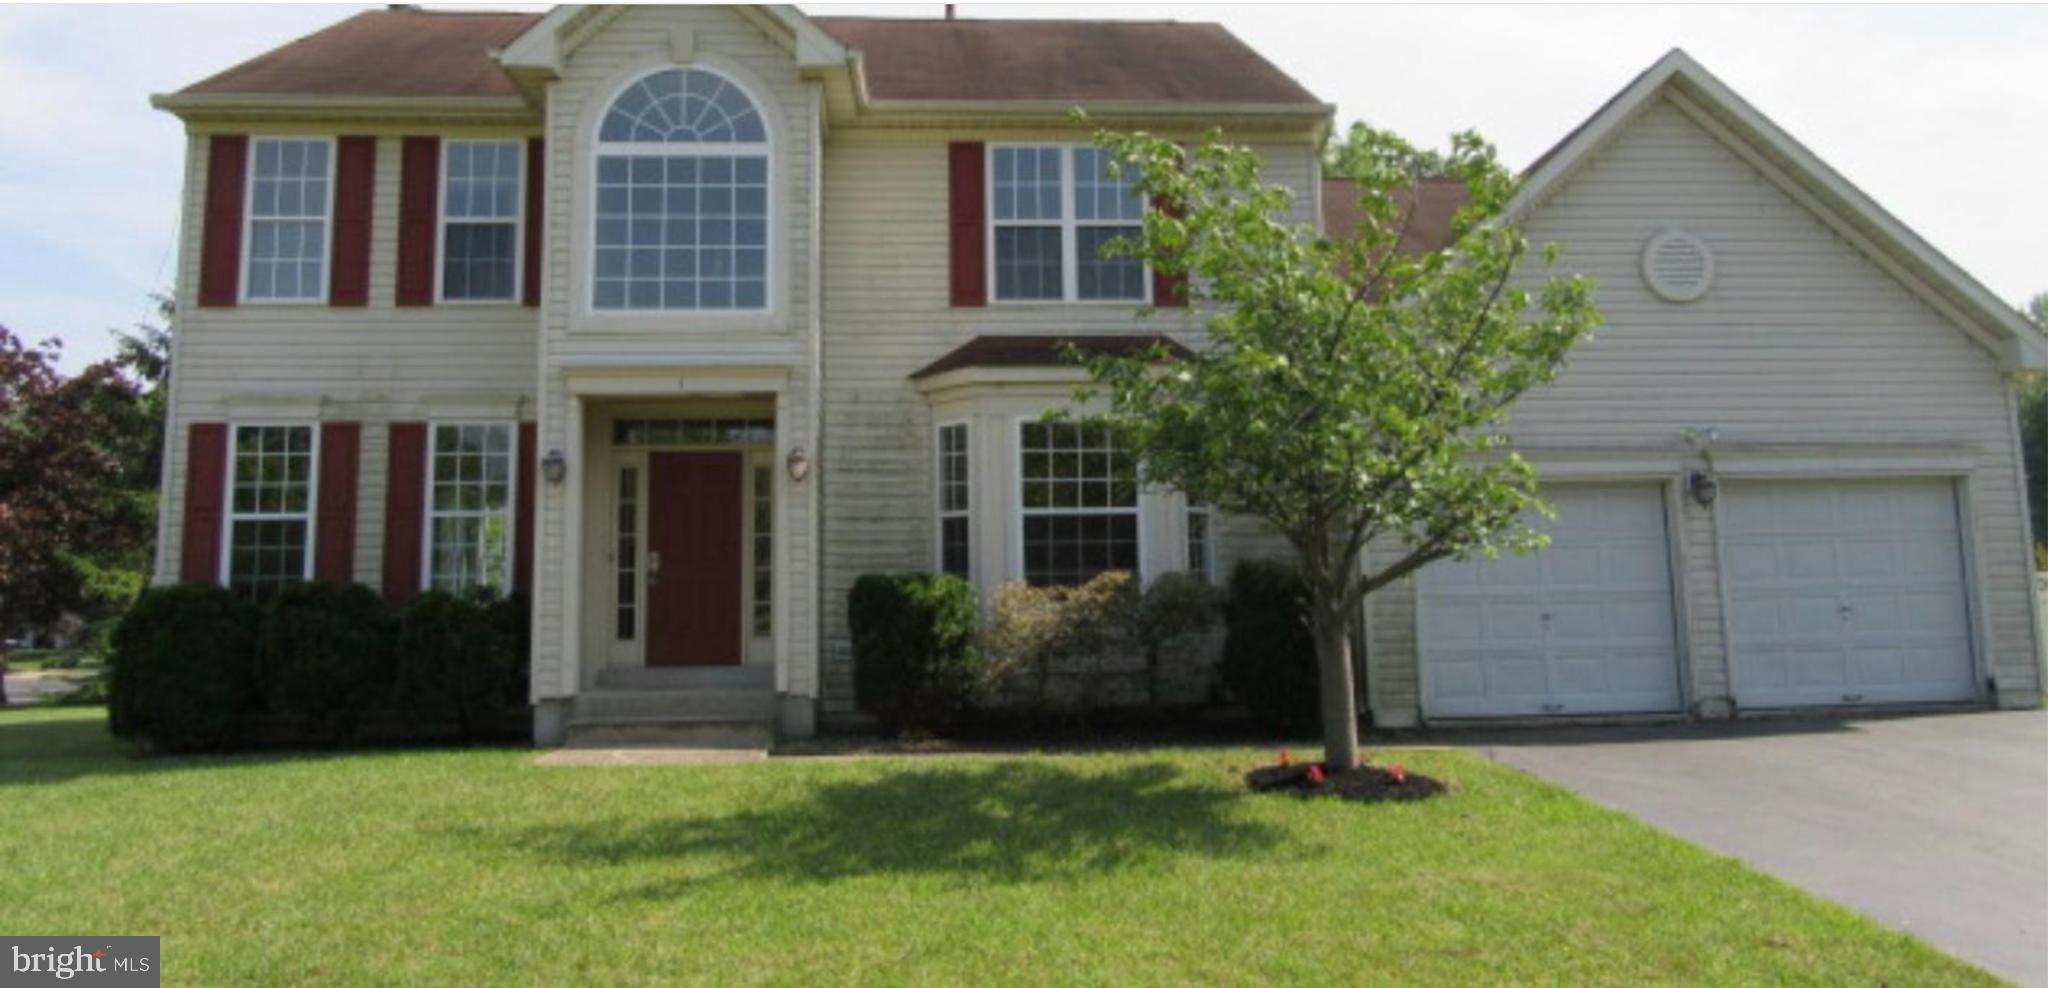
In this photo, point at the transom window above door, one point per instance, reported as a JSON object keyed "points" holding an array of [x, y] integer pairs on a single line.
{"points": [[1052, 209], [682, 206]]}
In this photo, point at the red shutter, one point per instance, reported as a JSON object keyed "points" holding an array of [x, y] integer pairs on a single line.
{"points": [[536, 170], [1168, 291], [419, 183], [522, 517], [404, 503], [334, 545], [220, 256], [355, 179], [968, 222], [206, 475]]}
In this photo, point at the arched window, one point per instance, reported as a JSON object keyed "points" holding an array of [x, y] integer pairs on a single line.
{"points": [[682, 197]]}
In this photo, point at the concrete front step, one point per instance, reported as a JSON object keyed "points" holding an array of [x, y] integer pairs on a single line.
{"points": [[671, 732], [715, 704], [742, 677]]}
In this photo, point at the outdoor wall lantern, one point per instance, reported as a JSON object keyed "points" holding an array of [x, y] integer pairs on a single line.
{"points": [[1704, 487], [554, 466], [799, 463]]}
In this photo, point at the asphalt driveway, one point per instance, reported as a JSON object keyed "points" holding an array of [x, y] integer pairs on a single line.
{"points": [[1936, 825]]}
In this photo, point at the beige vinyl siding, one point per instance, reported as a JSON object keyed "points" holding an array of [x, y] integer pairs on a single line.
{"points": [[373, 364], [613, 49], [1802, 340], [887, 313]]}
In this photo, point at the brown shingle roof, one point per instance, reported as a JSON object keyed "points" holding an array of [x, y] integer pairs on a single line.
{"points": [[383, 53], [1436, 201], [1081, 61], [1040, 351], [442, 53]]}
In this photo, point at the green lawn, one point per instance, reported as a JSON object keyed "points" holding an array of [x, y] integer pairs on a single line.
{"points": [[1151, 867]]}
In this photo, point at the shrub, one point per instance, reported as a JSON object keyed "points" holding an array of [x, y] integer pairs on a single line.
{"points": [[1043, 634], [915, 665], [1176, 607], [182, 669], [326, 658], [1269, 657], [460, 662]]}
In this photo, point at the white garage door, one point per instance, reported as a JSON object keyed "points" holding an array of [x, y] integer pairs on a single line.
{"points": [[1585, 626], [1846, 592]]}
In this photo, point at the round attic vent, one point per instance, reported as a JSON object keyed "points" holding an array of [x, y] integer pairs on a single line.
{"points": [[1678, 266]]}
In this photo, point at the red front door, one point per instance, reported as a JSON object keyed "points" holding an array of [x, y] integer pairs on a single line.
{"points": [[694, 532]]}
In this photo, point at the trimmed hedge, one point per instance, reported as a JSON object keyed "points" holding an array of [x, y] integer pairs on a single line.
{"points": [[1269, 656], [198, 668], [461, 662], [182, 671], [326, 658], [915, 664]]}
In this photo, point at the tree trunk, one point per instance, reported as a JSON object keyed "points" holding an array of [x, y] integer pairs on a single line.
{"points": [[1340, 699]]}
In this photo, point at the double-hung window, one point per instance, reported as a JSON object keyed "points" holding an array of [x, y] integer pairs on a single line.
{"points": [[682, 197], [480, 220], [290, 194], [1079, 497], [954, 556], [1201, 542], [270, 510], [469, 531], [1052, 209]]}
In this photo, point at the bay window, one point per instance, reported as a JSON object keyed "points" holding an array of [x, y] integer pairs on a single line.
{"points": [[290, 195], [1078, 495], [954, 555], [1052, 209], [480, 203], [270, 509], [470, 498]]}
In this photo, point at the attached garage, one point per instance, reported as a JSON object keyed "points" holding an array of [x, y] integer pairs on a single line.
{"points": [[1585, 626], [1846, 593]]}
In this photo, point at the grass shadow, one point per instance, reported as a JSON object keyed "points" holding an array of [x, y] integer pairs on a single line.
{"points": [[999, 822]]}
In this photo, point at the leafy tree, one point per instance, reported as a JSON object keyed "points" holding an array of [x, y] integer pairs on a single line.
{"points": [[2033, 411], [1352, 393], [76, 486]]}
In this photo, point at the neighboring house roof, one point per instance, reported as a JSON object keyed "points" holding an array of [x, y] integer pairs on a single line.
{"points": [[1808, 180], [1429, 228], [1041, 351], [383, 53], [1077, 61], [454, 54]]}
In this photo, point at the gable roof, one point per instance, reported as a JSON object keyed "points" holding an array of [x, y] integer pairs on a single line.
{"points": [[1801, 174], [383, 53], [1436, 201], [445, 54], [1062, 61]]}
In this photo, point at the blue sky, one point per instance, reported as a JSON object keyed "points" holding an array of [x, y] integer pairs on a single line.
{"points": [[1939, 113]]}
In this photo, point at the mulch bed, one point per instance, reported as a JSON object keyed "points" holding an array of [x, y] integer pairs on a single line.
{"points": [[1368, 784]]}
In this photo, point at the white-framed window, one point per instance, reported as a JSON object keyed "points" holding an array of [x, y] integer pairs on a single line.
{"points": [[1051, 209], [955, 553], [1201, 542], [470, 491], [291, 195], [682, 217], [1078, 496], [481, 196], [270, 508]]}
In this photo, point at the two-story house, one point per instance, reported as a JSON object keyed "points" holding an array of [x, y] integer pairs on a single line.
{"points": [[679, 319]]}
